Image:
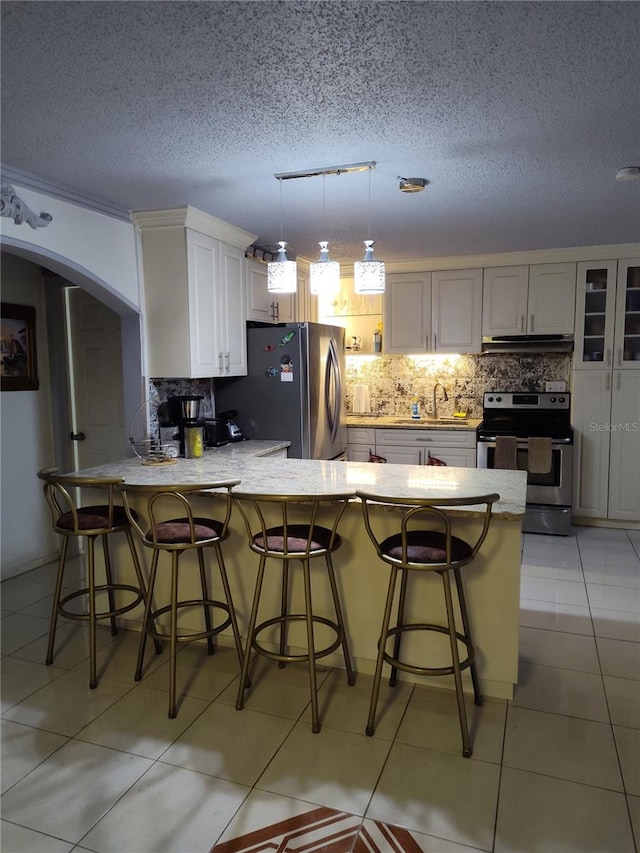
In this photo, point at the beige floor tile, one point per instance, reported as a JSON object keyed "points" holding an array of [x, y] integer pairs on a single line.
{"points": [[619, 658], [634, 811], [18, 839], [23, 748], [616, 624], [70, 791], [118, 657], [623, 696], [67, 704], [539, 814], [169, 809], [346, 707], [276, 691], [610, 597], [198, 674], [432, 722], [625, 575], [18, 593], [230, 744], [564, 747], [588, 536], [21, 678], [332, 768], [542, 567], [561, 691], [555, 591], [552, 616], [628, 744], [71, 645], [139, 722], [19, 631], [552, 648], [438, 794]]}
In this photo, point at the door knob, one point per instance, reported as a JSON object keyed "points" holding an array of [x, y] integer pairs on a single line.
{"points": [[78, 436]]}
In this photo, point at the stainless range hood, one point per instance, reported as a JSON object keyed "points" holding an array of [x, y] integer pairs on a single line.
{"points": [[527, 343]]}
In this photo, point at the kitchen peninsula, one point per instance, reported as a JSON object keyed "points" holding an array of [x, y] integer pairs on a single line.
{"points": [[492, 582]]}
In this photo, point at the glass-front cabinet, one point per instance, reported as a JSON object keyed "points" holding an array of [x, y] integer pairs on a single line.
{"points": [[607, 330]]}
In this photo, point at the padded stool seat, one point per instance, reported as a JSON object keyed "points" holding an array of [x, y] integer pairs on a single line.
{"points": [[425, 543], [275, 531]]}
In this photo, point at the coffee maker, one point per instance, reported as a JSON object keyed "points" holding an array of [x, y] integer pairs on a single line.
{"points": [[186, 413]]}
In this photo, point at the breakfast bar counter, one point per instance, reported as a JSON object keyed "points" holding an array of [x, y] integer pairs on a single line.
{"points": [[492, 581]]}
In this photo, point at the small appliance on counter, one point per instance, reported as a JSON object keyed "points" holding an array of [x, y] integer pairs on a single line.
{"points": [[234, 433], [186, 412], [215, 432]]}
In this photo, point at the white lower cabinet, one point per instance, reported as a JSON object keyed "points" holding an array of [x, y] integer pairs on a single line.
{"points": [[606, 419], [456, 448], [360, 442]]}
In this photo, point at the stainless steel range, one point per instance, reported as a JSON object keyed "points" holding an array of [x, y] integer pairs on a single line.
{"points": [[525, 415]]}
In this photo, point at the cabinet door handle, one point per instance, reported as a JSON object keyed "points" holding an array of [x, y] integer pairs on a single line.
{"points": [[608, 382], [522, 322], [608, 356], [220, 361], [227, 358], [424, 439], [532, 323], [618, 381], [620, 357], [435, 343], [426, 342]]}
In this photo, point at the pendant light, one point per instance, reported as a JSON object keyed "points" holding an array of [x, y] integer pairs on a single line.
{"points": [[282, 274], [324, 275], [369, 274]]}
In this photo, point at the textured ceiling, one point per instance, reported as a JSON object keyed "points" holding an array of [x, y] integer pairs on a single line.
{"points": [[518, 113]]}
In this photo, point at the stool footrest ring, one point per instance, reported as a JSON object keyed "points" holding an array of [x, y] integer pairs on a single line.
{"points": [[200, 635], [102, 614], [294, 617], [425, 670]]}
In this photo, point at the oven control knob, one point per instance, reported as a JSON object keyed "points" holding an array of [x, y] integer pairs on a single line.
{"points": [[490, 399], [561, 399], [498, 399], [552, 399]]}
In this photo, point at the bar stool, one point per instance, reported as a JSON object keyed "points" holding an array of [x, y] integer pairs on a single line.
{"points": [[418, 547], [186, 531], [91, 522], [287, 528]]}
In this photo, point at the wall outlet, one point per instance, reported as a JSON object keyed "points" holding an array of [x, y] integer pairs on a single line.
{"points": [[555, 386]]}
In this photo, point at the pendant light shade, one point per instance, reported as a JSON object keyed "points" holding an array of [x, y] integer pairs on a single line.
{"points": [[324, 274], [282, 275], [369, 275]]}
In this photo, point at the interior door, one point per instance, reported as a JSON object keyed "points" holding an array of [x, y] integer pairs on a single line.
{"points": [[95, 359]]}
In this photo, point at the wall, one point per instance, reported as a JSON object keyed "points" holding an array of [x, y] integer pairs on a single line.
{"points": [[26, 438], [393, 380]]}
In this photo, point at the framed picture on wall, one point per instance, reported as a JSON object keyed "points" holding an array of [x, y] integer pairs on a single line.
{"points": [[18, 363]]}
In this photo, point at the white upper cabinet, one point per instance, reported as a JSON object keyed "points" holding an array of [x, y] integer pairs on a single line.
{"points": [[194, 294], [262, 305], [552, 299], [626, 341], [433, 312], [529, 300], [407, 313], [456, 302], [504, 301]]}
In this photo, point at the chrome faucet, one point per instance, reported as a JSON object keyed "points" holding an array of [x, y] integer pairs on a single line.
{"points": [[435, 404]]}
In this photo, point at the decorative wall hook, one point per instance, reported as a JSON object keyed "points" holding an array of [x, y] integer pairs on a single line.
{"points": [[11, 205]]}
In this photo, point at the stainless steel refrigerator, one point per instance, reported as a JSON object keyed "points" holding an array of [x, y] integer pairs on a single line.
{"points": [[294, 389]]}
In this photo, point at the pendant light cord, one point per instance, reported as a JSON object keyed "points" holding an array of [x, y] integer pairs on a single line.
{"points": [[281, 210]]}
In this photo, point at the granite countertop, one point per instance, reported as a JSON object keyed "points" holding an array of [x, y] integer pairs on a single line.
{"points": [[314, 476], [409, 423]]}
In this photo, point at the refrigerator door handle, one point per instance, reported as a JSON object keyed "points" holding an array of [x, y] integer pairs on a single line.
{"points": [[332, 388]]}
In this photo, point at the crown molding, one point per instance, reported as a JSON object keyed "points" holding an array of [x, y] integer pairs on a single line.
{"points": [[197, 220], [27, 180]]}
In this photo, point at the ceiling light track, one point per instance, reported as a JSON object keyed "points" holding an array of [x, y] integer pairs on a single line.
{"points": [[330, 170]]}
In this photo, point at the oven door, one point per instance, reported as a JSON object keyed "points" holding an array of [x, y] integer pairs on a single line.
{"points": [[553, 488]]}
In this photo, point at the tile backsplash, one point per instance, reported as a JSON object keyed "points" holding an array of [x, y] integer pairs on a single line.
{"points": [[394, 380]]}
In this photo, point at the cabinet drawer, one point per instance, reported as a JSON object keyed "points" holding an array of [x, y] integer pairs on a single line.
{"points": [[426, 437], [361, 435]]}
